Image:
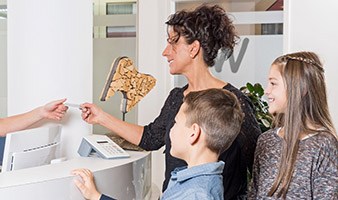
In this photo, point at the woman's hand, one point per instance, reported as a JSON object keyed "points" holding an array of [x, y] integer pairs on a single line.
{"points": [[91, 113]]}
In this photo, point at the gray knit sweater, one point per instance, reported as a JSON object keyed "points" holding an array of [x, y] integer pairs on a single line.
{"points": [[316, 169]]}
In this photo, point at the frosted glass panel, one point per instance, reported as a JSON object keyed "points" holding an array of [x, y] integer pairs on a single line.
{"points": [[255, 65], [252, 66], [260, 27], [114, 35]]}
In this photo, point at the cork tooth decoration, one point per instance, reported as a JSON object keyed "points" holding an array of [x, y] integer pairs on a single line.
{"points": [[124, 77]]}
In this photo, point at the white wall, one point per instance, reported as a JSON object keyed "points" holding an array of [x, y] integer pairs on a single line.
{"points": [[50, 57], [152, 14], [311, 25], [3, 67]]}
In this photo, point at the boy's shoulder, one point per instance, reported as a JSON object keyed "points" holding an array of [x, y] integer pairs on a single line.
{"points": [[198, 182], [183, 174]]}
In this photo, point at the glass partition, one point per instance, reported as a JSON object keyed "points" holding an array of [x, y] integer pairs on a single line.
{"points": [[260, 27], [114, 35]]}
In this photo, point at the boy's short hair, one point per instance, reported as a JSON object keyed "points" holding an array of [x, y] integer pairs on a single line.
{"points": [[218, 113]]}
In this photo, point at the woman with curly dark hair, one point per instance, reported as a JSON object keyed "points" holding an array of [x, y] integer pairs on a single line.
{"points": [[194, 40]]}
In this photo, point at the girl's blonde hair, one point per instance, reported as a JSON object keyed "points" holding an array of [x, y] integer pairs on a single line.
{"points": [[306, 112]]}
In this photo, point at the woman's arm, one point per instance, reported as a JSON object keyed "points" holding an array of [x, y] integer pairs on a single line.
{"points": [[54, 110], [150, 137], [92, 114]]}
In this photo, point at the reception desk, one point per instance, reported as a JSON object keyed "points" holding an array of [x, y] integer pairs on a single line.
{"points": [[127, 178]]}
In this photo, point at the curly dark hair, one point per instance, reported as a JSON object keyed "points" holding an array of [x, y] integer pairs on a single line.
{"points": [[209, 25]]}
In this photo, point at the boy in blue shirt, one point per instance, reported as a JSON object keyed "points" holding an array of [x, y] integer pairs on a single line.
{"points": [[205, 126]]}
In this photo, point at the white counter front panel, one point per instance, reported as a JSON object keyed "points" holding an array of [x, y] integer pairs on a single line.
{"points": [[121, 178]]}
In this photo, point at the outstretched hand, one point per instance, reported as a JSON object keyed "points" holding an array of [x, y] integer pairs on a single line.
{"points": [[91, 113], [54, 110], [87, 186]]}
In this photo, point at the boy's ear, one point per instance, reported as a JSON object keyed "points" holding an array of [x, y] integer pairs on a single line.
{"points": [[195, 48], [195, 134]]}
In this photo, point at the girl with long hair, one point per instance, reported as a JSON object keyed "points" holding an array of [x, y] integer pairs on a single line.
{"points": [[298, 158]]}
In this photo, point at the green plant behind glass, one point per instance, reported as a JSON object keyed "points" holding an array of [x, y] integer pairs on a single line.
{"points": [[255, 93]]}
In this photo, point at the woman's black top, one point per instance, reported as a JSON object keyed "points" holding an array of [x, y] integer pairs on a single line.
{"points": [[238, 158]]}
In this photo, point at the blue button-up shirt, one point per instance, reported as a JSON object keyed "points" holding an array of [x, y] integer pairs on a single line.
{"points": [[198, 182]]}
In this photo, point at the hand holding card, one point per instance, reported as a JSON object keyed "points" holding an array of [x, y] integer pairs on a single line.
{"points": [[73, 105]]}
